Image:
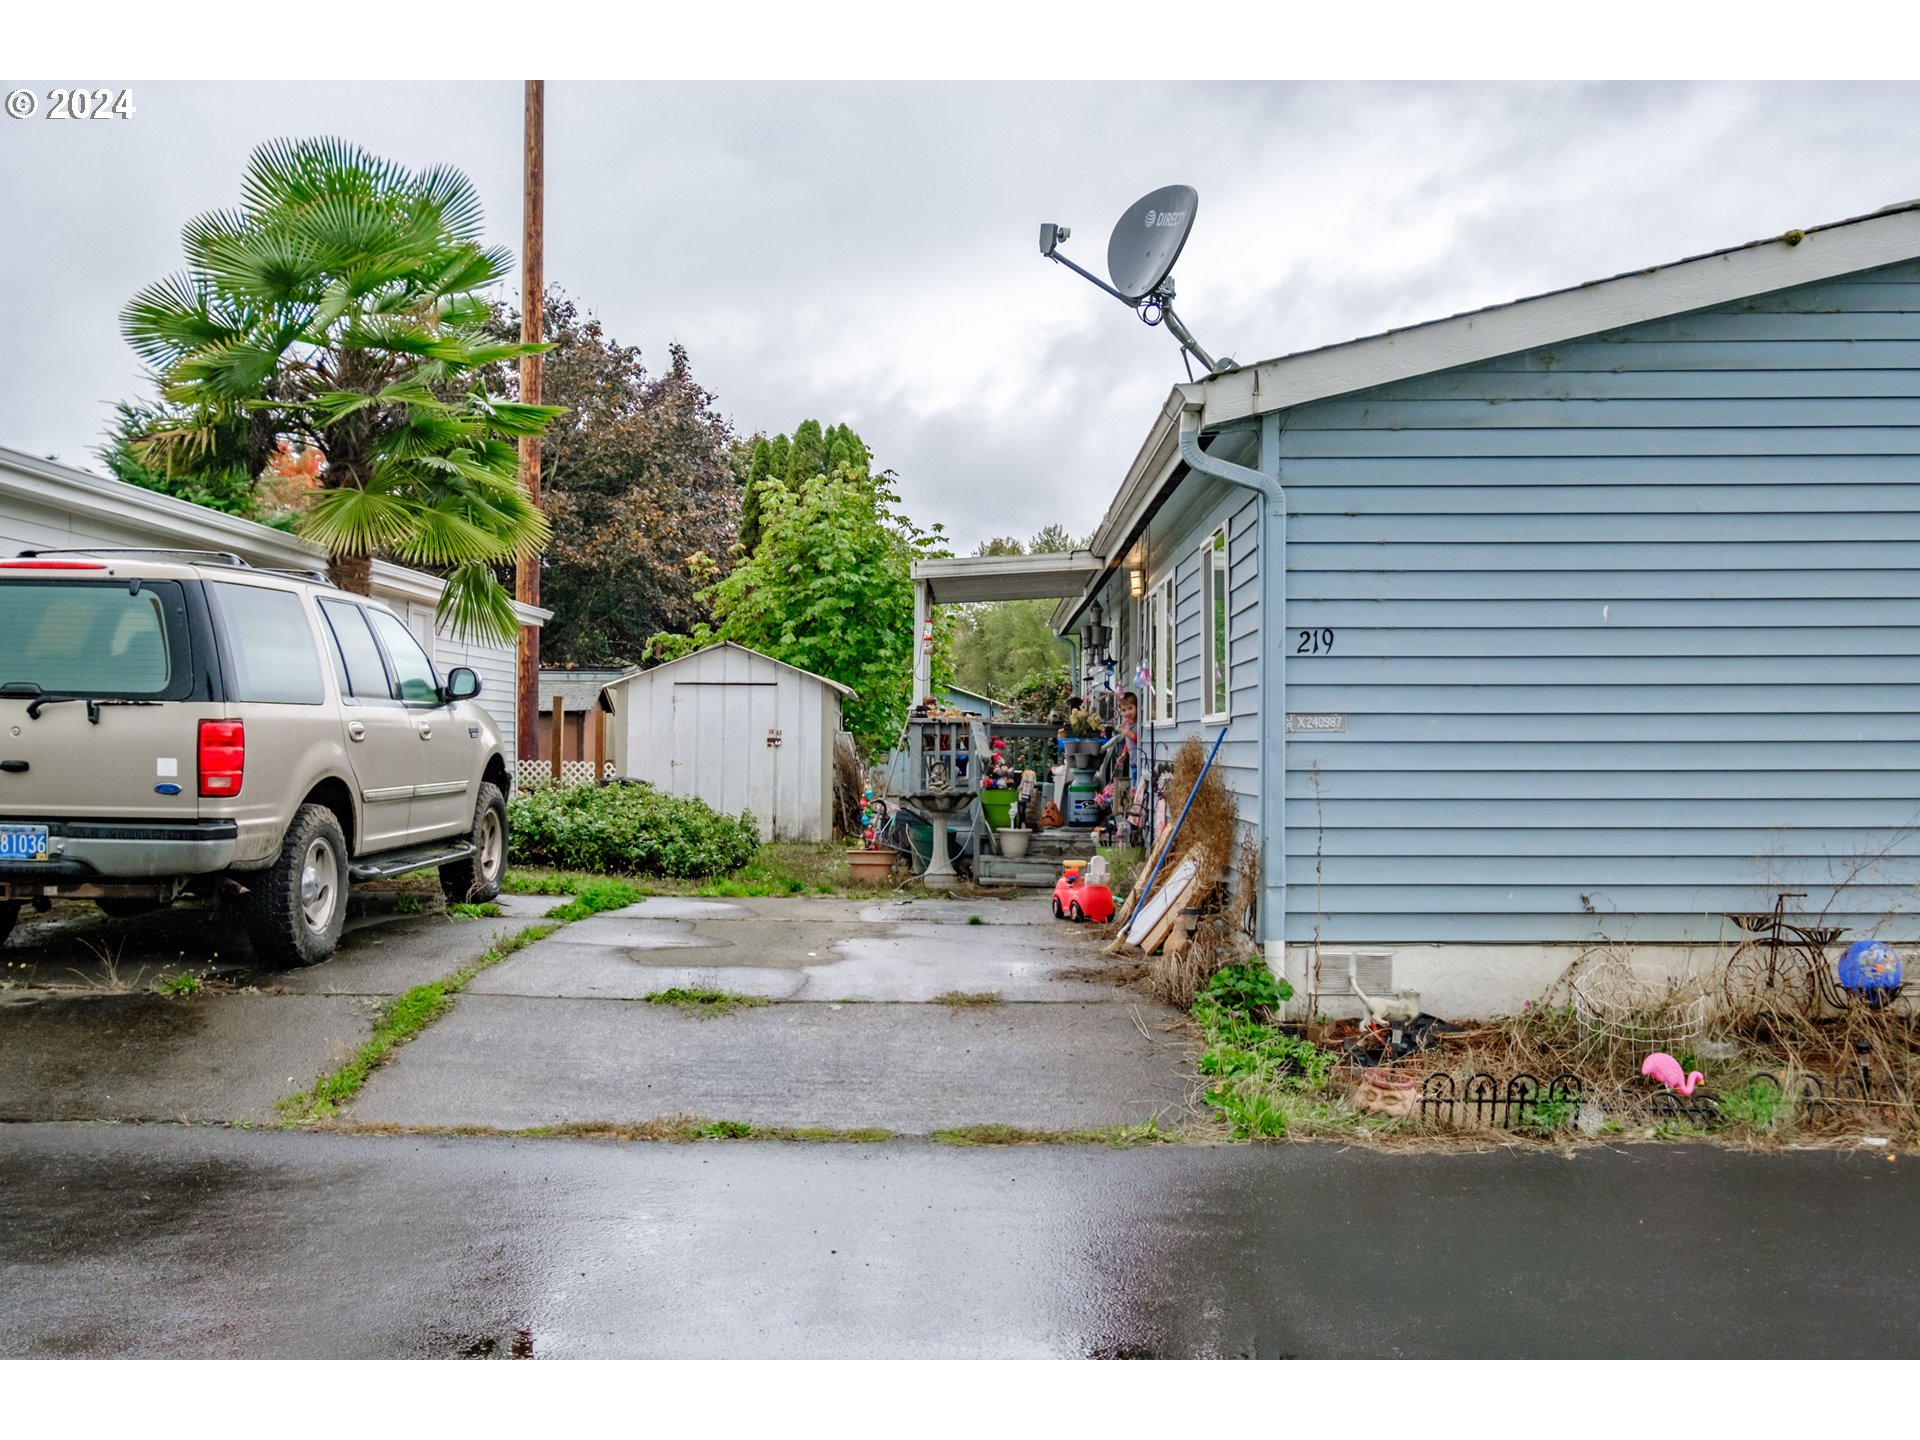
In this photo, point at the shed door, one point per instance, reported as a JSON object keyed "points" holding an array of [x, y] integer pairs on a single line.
{"points": [[720, 750]]}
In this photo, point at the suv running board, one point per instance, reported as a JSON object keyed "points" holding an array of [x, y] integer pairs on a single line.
{"points": [[400, 862]]}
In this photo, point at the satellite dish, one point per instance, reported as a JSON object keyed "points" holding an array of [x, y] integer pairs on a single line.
{"points": [[1140, 258], [1148, 240]]}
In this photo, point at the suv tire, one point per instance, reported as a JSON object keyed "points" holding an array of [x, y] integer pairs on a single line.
{"points": [[9, 913], [297, 907], [477, 879]]}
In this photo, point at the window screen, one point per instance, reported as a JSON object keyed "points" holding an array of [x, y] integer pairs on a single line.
{"points": [[410, 663], [87, 637], [356, 659], [269, 645]]}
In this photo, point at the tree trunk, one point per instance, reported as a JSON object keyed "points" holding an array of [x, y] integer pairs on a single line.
{"points": [[352, 573]]}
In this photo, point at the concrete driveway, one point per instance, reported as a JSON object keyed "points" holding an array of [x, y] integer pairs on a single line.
{"points": [[853, 1035]]}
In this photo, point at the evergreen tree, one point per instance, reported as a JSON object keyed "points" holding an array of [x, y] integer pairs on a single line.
{"points": [[759, 471], [808, 456]]}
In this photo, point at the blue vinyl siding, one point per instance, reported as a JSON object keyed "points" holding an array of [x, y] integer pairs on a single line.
{"points": [[1180, 552], [1627, 631]]}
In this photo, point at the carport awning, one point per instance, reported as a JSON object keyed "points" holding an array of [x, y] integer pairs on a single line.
{"points": [[971, 579]]}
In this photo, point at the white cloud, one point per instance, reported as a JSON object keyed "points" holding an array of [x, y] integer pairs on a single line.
{"points": [[866, 251]]}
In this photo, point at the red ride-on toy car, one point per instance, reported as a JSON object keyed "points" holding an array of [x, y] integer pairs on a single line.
{"points": [[1074, 899]]}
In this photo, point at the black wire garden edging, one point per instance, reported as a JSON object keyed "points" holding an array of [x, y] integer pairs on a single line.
{"points": [[1518, 1102]]}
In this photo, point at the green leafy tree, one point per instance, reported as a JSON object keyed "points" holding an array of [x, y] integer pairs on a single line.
{"points": [[340, 307], [828, 589], [795, 459], [219, 478], [1007, 647], [638, 481]]}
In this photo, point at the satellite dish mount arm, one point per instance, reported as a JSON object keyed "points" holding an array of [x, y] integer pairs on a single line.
{"points": [[1159, 306], [1055, 255]]}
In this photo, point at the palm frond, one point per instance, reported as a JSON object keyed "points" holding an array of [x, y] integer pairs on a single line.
{"points": [[471, 268], [353, 521], [466, 311], [330, 407], [171, 318], [228, 370], [284, 173], [268, 266], [441, 535], [426, 434], [213, 228], [476, 606], [514, 417], [456, 201]]}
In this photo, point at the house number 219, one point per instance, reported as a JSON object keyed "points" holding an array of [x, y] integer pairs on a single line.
{"points": [[1315, 642]]}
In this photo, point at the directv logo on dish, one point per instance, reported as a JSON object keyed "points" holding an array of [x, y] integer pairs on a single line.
{"points": [[1164, 217]]}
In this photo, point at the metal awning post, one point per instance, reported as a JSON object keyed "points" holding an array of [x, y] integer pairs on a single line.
{"points": [[922, 642]]}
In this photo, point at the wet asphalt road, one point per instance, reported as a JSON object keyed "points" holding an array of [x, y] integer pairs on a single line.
{"points": [[199, 1241]]}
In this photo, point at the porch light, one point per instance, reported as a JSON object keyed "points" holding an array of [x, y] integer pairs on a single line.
{"points": [[1136, 584]]}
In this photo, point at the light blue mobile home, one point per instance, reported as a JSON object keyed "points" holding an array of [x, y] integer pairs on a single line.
{"points": [[1592, 616]]}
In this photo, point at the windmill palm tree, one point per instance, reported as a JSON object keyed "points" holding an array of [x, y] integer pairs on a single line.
{"points": [[339, 307]]}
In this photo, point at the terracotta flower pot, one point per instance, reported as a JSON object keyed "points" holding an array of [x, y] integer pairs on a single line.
{"points": [[870, 867]]}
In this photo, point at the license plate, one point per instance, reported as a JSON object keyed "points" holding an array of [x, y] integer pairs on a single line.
{"points": [[22, 842]]}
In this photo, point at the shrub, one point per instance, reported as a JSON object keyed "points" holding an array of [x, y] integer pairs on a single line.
{"points": [[627, 829]]}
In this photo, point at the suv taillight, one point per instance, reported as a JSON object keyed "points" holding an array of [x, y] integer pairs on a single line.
{"points": [[223, 756]]}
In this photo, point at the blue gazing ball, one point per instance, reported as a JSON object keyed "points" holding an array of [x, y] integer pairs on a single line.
{"points": [[1870, 965]]}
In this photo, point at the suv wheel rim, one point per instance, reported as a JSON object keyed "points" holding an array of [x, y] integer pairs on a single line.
{"points": [[492, 845], [319, 884]]}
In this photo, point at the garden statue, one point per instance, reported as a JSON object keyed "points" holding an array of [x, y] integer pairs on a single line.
{"points": [[1664, 1068]]}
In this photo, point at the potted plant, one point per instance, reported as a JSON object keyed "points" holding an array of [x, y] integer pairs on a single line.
{"points": [[870, 867]]}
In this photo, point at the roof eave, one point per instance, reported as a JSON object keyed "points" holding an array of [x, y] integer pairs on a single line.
{"points": [[1825, 252], [1140, 494]]}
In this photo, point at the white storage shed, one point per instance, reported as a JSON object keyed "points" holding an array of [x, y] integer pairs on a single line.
{"points": [[738, 729]]}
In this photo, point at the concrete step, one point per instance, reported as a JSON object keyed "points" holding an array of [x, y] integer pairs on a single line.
{"points": [[1028, 874], [1061, 843]]}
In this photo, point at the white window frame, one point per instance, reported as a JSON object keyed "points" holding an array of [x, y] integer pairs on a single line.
{"points": [[1162, 653], [1216, 629]]}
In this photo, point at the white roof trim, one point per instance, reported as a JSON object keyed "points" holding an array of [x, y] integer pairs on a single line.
{"points": [[173, 522], [963, 579], [1844, 247], [743, 649]]}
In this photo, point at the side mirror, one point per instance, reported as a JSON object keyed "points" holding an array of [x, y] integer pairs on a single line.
{"points": [[462, 684]]}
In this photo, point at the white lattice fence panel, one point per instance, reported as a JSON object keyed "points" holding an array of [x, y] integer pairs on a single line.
{"points": [[535, 773]]}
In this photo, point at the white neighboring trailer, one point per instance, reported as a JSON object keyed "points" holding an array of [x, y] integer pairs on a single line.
{"points": [[47, 505], [738, 729]]}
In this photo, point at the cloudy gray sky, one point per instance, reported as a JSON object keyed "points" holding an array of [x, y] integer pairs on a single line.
{"points": [[865, 252]]}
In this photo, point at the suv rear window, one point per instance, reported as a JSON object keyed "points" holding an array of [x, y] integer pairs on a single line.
{"points": [[94, 637], [270, 650]]}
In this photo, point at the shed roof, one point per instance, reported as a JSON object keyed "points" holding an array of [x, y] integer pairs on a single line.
{"points": [[743, 649], [1697, 282], [579, 689]]}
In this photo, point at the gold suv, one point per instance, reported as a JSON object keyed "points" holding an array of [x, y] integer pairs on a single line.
{"points": [[178, 718]]}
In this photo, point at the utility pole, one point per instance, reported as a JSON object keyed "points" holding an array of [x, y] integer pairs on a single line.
{"points": [[526, 572]]}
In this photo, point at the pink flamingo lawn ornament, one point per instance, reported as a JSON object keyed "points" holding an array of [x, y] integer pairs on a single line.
{"points": [[1664, 1068]]}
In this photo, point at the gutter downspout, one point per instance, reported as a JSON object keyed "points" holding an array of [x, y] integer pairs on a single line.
{"points": [[1273, 665]]}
